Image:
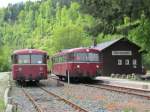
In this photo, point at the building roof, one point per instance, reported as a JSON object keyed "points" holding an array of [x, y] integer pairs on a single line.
{"points": [[107, 44]]}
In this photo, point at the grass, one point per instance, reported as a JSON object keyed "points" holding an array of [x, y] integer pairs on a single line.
{"points": [[2, 106], [128, 110]]}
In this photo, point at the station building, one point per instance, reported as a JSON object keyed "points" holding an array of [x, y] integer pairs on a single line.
{"points": [[120, 56]]}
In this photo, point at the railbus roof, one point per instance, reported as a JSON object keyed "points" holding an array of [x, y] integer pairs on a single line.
{"points": [[29, 51], [83, 49]]}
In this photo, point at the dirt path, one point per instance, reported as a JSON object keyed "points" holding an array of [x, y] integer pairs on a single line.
{"points": [[4, 76]]}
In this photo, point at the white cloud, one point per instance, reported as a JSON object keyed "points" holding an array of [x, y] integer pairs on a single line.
{"points": [[4, 3]]}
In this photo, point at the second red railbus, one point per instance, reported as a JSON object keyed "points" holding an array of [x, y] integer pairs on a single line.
{"points": [[77, 62]]}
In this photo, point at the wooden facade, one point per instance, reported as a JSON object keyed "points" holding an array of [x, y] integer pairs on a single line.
{"points": [[120, 56]]}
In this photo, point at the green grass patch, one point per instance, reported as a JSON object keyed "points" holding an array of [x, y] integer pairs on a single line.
{"points": [[2, 106], [128, 110]]}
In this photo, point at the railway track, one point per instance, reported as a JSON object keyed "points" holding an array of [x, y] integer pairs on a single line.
{"points": [[59, 98], [126, 90], [121, 89], [37, 107]]}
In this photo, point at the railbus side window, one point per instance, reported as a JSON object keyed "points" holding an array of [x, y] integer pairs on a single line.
{"points": [[54, 60], [86, 57], [70, 57], [81, 57], [65, 58], [93, 57], [62, 58], [57, 59]]}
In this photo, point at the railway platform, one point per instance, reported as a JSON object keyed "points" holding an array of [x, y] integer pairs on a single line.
{"points": [[125, 82]]}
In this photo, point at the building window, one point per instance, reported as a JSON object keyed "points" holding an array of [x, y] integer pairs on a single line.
{"points": [[127, 62], [119, 62], [134, 66], [134, 62]]}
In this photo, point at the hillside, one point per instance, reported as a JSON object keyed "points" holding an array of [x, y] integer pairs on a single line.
{"points": [[53, 25]]}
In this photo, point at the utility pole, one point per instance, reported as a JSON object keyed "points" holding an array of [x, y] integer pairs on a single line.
{"points": [[94, 42]]}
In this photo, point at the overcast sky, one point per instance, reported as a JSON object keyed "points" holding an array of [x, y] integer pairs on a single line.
{"points": [[4, 3]]}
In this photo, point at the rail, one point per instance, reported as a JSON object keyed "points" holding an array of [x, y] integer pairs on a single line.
{"points": [[126, 90], [73, 105], [37, 107]]}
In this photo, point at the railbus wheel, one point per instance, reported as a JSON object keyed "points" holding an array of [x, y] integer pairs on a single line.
{"points": [[75, 79], [60, 78], [37, 81]]}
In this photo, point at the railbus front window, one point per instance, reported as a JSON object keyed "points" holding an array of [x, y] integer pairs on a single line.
{"points": [[37, 59], [23, 59]]}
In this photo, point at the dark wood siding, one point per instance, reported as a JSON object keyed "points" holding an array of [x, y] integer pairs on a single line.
{"points": [[110, 62]]}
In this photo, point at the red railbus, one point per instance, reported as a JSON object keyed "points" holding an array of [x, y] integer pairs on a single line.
{"points": [[77, 62], [29, 65]]}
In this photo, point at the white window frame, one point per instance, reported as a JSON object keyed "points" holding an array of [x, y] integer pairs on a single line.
{"points": [[119, 62], [134, 66], [134, 61], [127, 62]]}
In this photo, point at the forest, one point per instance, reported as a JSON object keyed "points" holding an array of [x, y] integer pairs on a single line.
{"points": [[53, 25]]}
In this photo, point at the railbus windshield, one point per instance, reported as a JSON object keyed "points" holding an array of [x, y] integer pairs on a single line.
{"points": [[30, 59], [23, 59], [37, 59]]}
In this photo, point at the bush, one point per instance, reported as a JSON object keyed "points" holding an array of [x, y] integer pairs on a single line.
{"points": [[2, 106]]}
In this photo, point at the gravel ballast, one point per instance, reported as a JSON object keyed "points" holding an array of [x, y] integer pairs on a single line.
{"points": [[21, 102], [91, 99], [48, 102], [97, 100]]}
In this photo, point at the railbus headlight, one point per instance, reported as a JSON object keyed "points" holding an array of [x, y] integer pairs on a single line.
{"points": [[78, 66], [41, 68], [97, 66], [19, 69]]}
